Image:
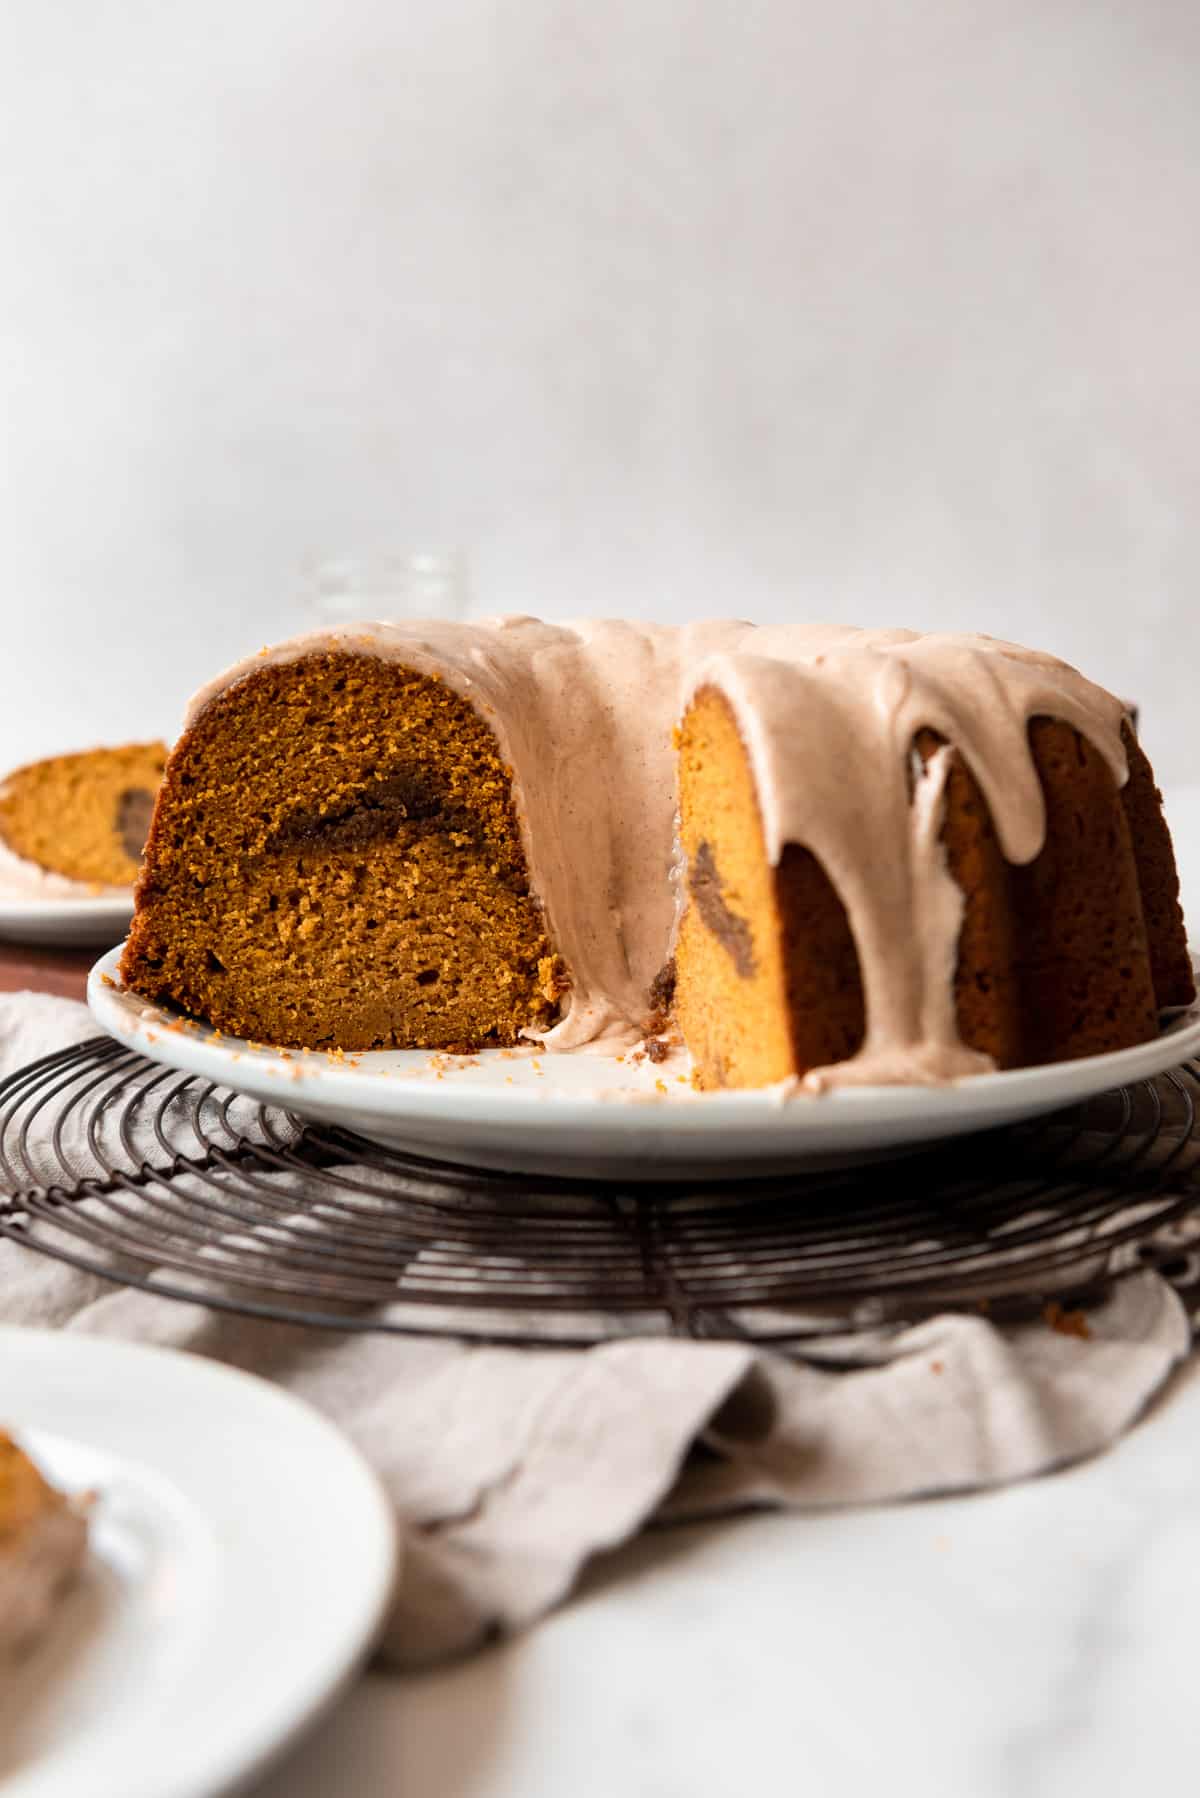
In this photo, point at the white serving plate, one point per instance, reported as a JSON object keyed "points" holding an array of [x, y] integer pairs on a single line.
{"points": [[85, 922], [592, 1115], [241, 1553]]}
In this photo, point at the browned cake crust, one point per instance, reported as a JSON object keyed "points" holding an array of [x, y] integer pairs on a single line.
{"points": [[1070, 955], [987, 998], [335, 862], [1083, 963], [1158, 881], [83, 816]]}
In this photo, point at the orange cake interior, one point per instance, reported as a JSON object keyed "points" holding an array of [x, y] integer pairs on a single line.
{"points": [[336, 863], [84, 816]]}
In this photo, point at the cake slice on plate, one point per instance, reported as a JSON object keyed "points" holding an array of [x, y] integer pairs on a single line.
{"points": [[43, 1539], [74, 826]]}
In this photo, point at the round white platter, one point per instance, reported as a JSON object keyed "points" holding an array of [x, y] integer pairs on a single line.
{"points": [[241, 1553], [85, 922], [593, 1115]]}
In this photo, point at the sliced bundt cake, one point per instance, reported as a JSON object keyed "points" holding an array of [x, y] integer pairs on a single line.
{"points": [[1071, 953], [853, 856]]}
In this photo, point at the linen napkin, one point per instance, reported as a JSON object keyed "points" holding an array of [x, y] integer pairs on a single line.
{"points": [[510, 1467]]}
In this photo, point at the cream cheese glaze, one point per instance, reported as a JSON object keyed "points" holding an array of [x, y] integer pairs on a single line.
{"points": [[583, 715], [33, 1573], [43, 1539]]}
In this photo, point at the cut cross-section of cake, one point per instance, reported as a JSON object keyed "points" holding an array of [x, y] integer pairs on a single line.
{"points": [[43, 1540], [337, 863]]}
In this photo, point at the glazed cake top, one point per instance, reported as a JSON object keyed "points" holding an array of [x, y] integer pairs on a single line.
{"points": [[584, 713]]}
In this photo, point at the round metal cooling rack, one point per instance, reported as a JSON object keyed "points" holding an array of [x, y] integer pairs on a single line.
{"points": [[154, 1180]]}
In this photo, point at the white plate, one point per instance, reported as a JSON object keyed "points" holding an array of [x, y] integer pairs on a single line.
{"points": [[85, 922], [241, 1554], [589, 1114]]}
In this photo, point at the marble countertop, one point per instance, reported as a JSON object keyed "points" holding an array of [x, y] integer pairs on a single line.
{"points": [[1009, 1644]]}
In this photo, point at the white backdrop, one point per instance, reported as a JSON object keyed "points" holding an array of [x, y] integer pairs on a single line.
{"points": [[879, 311]]}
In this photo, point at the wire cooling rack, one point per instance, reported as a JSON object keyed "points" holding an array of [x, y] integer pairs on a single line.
{"points": [[154, 1180]]}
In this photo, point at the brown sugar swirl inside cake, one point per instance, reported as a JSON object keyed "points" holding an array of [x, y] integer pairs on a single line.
{"points": [[831, 855]]}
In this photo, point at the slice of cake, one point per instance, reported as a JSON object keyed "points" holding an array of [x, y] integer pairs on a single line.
{"points": [[353, 829], [77, 824], [43, 1539]]}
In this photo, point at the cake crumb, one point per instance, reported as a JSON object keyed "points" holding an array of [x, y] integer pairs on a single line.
{"points": [[1067, 1323]]}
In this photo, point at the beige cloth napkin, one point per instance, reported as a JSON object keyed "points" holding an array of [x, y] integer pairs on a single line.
{"points": [[510, 1467]]}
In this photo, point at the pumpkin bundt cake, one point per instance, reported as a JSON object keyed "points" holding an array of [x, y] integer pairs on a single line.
{"points": [[75, 824], [832, 855], [43, 1539]]}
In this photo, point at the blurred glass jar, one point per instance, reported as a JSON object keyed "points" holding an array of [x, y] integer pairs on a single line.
{"points": [[422, 584]]}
